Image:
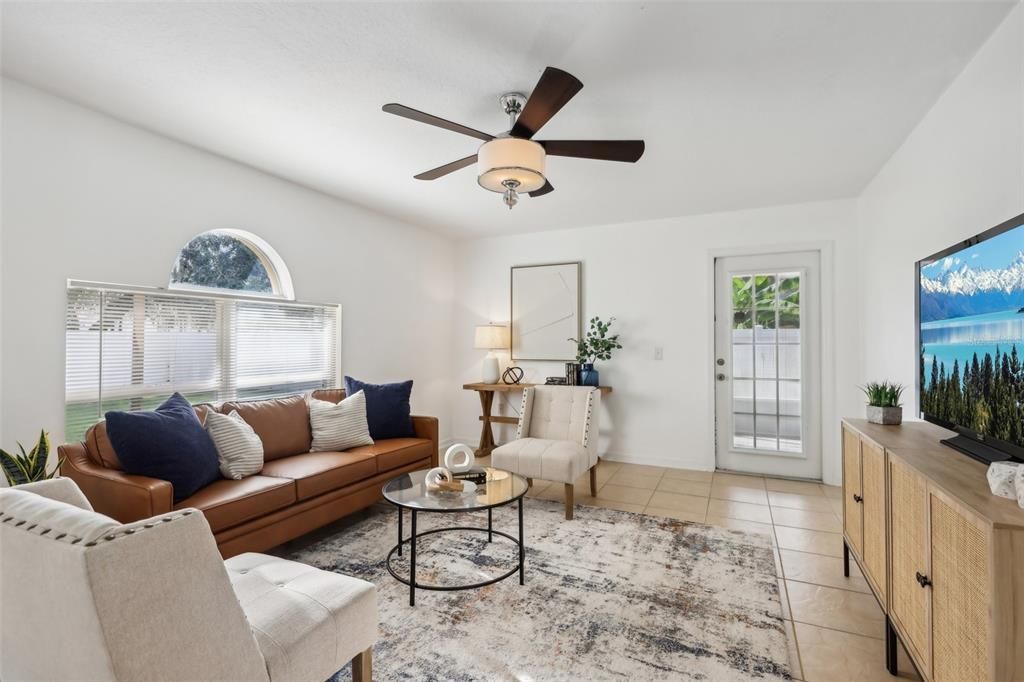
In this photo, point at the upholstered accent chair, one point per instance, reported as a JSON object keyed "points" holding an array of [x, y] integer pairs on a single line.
{"points": [[88, 598], [556, 439]]}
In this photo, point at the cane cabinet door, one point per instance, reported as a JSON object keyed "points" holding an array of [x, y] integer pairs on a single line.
{"points": [[910, 600], [872, 460], [852, 492], [961, 595]]}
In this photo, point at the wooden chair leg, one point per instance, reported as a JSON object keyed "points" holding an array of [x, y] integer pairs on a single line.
{"points": [[529, 482], [568, 501], [593, 481], [362, 666]]}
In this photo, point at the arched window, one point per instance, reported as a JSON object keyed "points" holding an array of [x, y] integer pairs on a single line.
{"points": [[231, 261]]}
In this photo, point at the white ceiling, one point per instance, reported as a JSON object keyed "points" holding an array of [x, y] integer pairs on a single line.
{"points": [[742, 104]]}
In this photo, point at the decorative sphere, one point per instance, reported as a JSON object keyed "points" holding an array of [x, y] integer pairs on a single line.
{"points": [[512, 375]]}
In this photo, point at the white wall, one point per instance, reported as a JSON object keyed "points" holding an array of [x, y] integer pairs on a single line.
{"points": [[960, 172], [655, 277], [88, 197]]}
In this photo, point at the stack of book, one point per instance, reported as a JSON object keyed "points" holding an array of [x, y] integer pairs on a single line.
{"points": [[572, 373]]}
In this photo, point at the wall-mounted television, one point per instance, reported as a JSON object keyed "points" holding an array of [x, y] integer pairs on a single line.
{"points": [[970, 328]]}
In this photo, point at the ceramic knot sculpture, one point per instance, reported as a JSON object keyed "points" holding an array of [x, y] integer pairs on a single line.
{"points": [[459, 458], [1002, 479]]}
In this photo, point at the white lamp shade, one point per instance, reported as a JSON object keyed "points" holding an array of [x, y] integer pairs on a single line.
{"points": [[510, 158], [491, 337]]}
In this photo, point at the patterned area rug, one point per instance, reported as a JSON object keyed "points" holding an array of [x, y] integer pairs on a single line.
{"points": [[609, 596]]}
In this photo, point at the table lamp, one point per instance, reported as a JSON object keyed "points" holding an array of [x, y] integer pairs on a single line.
{"points": [[491, 337]]}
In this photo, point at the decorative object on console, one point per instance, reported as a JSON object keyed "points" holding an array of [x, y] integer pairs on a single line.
{"points": [[596, 345], [339, 426], [1019, 485], [387, 408], [1002, 479], [27, 467], [572, 374], [239, 447], [512, 163], [884, 402], [545, 310], [167, 443], [490, 337], [512, 375], [454, 463]]}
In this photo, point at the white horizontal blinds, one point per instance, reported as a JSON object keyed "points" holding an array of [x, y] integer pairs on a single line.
{"points": [[283, 348], [130, 349]]}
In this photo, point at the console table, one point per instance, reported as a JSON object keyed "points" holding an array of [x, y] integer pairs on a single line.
{"points": [[487, 392], [943, 556]]}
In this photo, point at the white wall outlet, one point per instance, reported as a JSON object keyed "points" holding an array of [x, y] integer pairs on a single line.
{"points": [[659, 353]]}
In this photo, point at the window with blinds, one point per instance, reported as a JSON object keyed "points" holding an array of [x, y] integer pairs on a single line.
{"points": [[130, 348]]}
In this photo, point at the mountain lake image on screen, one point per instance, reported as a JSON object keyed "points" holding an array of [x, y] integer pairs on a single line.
{"points": [[972, 337]]}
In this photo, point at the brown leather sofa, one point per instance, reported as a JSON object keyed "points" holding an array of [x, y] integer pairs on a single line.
{"points": [[297, 491]]}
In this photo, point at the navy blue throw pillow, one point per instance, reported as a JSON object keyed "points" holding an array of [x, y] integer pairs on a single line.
{"points": [[168, 443], [387, 408]]}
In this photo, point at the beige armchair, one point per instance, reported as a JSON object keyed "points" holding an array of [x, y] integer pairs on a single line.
{"points": [[83, 597], [556, 439]]}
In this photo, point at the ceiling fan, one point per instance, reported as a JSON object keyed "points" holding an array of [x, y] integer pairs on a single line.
{"points": [[512, 162]]}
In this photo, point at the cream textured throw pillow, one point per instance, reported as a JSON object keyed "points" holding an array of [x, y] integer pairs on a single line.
{"points": [[341, 426], [239, 449]]}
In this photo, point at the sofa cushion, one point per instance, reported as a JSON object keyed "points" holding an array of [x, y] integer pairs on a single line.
{"points": [[167, 443], [387, 408], [227, 503], [281, 423], [316, 473], [331, 395], [308, 623], [339, 426], [99, 449], [396, 452]]}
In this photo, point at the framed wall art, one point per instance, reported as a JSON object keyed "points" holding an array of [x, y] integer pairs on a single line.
{"points": [[545, 311]]}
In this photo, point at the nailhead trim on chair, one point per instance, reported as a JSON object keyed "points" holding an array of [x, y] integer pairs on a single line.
{"points": [[590, 412], [76, 540]]}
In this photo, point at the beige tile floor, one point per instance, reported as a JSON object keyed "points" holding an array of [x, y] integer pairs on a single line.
{"points": [[835, 626]]}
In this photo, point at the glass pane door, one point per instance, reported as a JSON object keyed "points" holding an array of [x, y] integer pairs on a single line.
{"points": [[766, 362]]}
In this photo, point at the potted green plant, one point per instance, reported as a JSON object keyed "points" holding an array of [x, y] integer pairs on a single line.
{"points": [[30, 466], [884, 405], [596, 345]]}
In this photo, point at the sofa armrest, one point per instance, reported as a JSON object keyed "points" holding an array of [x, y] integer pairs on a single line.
{"points": [[125, 497], [426, 427]]}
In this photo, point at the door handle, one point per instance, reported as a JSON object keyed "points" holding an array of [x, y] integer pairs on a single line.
{"points": [[720, 376], [857, 498], [922, 580]]}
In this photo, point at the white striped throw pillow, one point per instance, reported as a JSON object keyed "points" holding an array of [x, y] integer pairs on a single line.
{"points": [[239, 449], [341, 426]]}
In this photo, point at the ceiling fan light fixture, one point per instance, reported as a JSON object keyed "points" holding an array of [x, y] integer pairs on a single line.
{"points": [[506, 160]]}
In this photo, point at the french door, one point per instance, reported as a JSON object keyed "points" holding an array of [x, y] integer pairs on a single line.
{"points": [[767, 364]]}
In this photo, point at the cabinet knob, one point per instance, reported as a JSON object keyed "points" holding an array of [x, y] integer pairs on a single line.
{"points": [[923, 580], [857, 498]]}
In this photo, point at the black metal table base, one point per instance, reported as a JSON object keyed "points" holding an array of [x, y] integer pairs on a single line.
{"points": [[411, 541]]}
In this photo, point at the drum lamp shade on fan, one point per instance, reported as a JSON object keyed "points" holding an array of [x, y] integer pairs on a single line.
{"points": [[490, 337]]}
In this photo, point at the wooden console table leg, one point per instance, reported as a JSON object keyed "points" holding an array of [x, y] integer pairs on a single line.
{"points": [[486, 434], [891, 650]]}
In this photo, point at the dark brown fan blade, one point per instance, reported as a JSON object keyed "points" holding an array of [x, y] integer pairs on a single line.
{"points": [[554, 89], [406, 112], [604, 150], [543, 190], [441, 171]]}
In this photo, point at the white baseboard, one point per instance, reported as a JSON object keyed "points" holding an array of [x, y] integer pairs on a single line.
{"points": [[656, 461]]}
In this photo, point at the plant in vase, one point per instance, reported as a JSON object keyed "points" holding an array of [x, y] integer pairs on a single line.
{"points": [[884, 402], [28, 467], [596, 345]]}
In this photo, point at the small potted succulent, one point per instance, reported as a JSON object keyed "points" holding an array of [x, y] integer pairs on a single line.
{"points": [[598, 344], [884, 402]]}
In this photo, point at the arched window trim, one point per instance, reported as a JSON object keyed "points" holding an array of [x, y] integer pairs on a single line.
{"points": [[270, 259]]}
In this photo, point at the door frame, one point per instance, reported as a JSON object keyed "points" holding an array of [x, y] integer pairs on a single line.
{"points": [[831, 461]]}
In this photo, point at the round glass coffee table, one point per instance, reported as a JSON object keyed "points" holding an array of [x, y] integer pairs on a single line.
{"points": [[408, 491]]}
